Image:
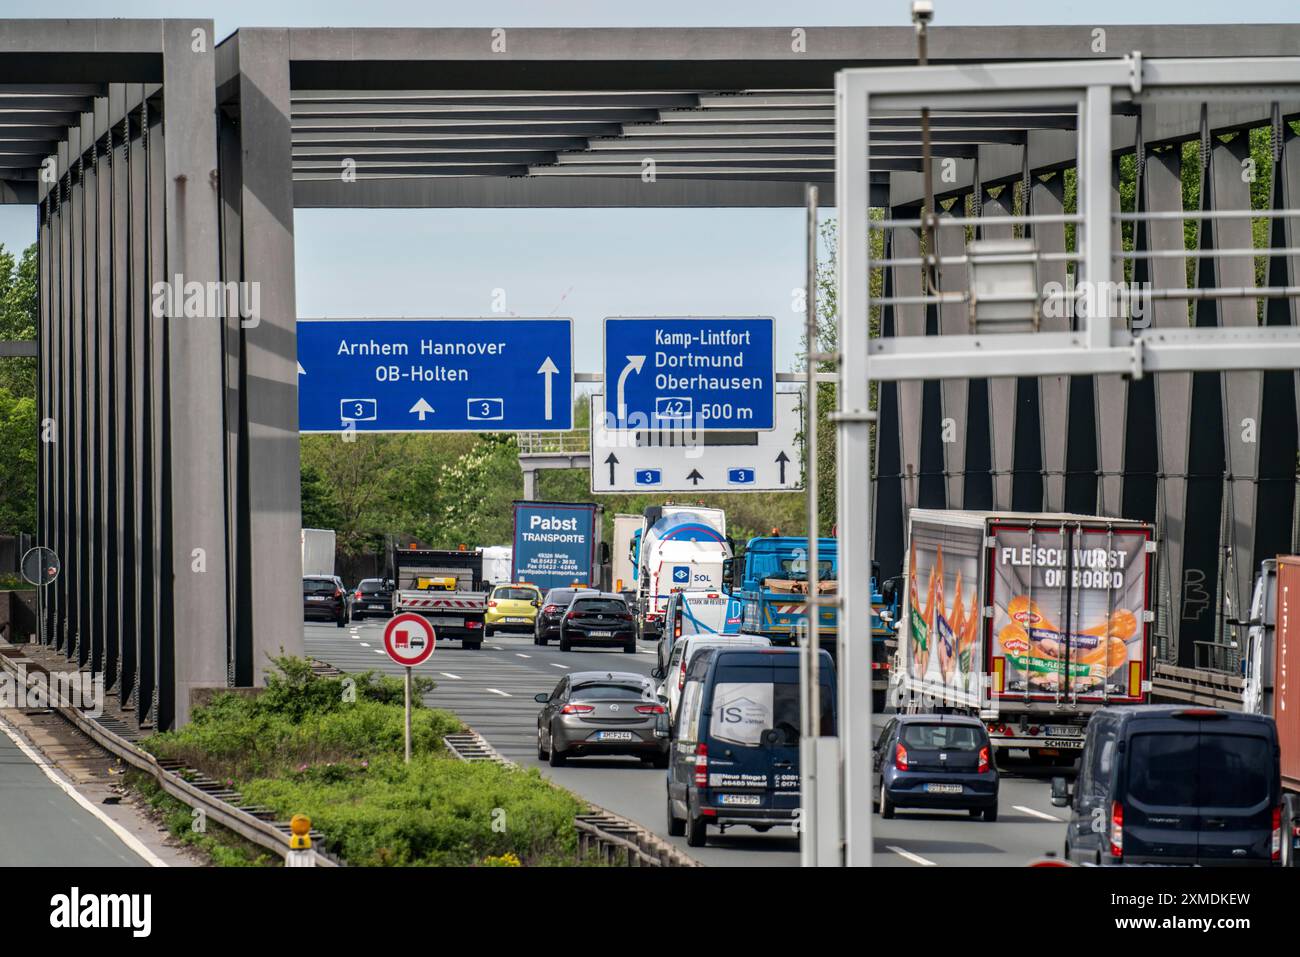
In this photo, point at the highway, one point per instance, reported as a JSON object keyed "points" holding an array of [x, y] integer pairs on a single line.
{"points": [[492, 691], [42, 825]]}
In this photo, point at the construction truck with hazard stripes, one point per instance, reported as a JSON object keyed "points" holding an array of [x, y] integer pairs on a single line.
{"points": [[771, 579], [444, 585]]}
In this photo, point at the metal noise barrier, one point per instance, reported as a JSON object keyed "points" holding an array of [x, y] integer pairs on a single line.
{"points": [[601, 833], [188, 786]]}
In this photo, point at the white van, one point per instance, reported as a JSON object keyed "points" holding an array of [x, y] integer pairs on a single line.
{"points": [[673, 678]]}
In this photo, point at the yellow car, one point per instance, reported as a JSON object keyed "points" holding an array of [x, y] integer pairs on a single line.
{"points": [[511, 608]]}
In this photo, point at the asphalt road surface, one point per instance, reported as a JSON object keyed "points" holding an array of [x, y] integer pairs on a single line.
{"points": [[42, 826], [492, 690]]}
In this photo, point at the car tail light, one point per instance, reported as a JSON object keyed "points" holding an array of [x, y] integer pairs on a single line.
{"points": [[473, 624], [701, 765], [681, 675], [570, 616], [984, 759], [492, 603], [1277, 833], [650, 709], [627, 616], [1200, 713], [338, 593], [1116, 830], [900, 757], [551, 610], [357, 596], [577, 709]]}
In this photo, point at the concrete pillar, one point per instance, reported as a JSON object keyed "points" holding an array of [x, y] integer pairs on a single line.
{"points": [[268, 377], [1047, 199], [195, 619]]}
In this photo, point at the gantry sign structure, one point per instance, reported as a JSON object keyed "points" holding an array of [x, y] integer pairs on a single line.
{"points": [[169, 471]]}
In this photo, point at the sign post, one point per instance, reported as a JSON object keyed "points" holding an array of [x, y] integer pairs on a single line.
{"points": [[711, 373], [41, 566], [409, 640], [435, 375]]}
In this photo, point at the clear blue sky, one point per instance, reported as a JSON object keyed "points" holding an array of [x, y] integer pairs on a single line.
{"points": [[583, 263]]}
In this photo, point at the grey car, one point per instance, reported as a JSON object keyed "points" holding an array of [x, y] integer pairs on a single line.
{"points": [[602, 713]]}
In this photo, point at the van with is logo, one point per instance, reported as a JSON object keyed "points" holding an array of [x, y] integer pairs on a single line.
{"points": [[734, 757]]}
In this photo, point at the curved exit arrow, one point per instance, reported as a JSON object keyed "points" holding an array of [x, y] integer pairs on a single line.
{"points": [[634, 364]]}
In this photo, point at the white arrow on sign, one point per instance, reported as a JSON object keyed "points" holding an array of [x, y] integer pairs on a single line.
{"points": [[548, 369], [301, 370], [634, 364], [421, 408]]}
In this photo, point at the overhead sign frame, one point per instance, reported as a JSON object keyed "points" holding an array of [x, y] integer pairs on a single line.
{"points": [[630, 365], [539, 378], [698, 461]]}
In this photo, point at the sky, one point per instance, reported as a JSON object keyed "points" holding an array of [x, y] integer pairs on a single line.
{"points": [[581, 263]]}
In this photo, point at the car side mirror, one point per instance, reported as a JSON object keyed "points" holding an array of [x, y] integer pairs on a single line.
{"points": [[657, 674], [537, 603], [1061, 792], [541, 697]]}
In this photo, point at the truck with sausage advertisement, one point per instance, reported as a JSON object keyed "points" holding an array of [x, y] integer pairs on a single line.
{"points": [[1032, 621], [1271, 659]]}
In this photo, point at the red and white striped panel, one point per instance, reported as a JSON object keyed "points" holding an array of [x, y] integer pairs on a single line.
{"points": [[790, 609], [461, 603]]}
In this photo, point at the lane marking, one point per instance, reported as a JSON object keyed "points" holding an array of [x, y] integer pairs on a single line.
{"points": [[556, 664], [520, 654], [122, 834], [1032, 812], [378, 651], [500, 692], [914, 858], [364, 645], [448, 674]]}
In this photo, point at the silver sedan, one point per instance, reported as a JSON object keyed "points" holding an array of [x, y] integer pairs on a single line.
{"points": [[602, 713]]}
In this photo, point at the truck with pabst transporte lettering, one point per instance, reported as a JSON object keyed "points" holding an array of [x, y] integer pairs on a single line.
{"points": [[446, 586], [557, 544], [1033, 621]]}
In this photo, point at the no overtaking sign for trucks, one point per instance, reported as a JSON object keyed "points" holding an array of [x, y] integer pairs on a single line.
{"points": [[409, 639]]}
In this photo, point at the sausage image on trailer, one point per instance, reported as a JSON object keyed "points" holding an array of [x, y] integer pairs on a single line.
{"points": [[1030, 620]]}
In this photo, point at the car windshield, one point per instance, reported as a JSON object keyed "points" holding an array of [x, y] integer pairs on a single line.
{"points": [[797, 568], [599, 606], [514, 594], [317, 584], [611, 692], [1205, 770], [370, 586], [941, 737]]}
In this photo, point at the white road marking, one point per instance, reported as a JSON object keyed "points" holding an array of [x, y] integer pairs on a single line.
{"points": [[364, 645], [500, 692], [520, 654], [556, 664], [914, 858], [122, 834], [378, 651], [1035, 813], [448, 674]]}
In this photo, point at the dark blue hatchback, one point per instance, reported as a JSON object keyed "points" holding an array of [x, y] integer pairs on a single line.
{"points": [[939, 761]]}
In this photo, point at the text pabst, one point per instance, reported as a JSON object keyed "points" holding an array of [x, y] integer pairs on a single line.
{"points": [[542, 528]]}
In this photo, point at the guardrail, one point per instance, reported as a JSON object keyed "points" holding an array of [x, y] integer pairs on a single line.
{"points": [[1215, 689], [186, 785], [601, 833], [553, 443]]}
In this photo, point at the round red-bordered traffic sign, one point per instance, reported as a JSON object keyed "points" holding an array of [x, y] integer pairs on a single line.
{"points": [[409, 639]]}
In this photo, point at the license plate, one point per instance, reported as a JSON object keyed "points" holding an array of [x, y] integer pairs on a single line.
{"points": [[614, 735], [943, 789], [1064, 731], [447, 622], [601, 634], [376, 605], [746, 800], [317, 598], [516, 621]]}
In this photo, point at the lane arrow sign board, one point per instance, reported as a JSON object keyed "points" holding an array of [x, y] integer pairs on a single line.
{"points": [[713, 373], [435, 375], [669, 460]]}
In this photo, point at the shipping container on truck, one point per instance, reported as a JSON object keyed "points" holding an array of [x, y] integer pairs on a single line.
{"points": [[318, 552], [557, 544], [623, 557], [1272, 678], [1031, 620], [682, 547]]}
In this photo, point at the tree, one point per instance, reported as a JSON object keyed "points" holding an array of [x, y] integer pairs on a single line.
{"points": [[18, 318], [17, 463]]}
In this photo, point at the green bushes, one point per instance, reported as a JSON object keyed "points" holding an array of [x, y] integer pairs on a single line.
{"points": [[331, 748]]}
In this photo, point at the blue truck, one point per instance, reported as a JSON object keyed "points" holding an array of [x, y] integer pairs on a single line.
{"points": [[770, 580]]}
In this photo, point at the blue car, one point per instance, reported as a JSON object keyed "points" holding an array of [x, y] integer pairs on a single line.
{"points": [[935, 761]]}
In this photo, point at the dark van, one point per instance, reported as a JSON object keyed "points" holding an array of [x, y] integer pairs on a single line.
{"points": [[735, 740], [1170, 784]]}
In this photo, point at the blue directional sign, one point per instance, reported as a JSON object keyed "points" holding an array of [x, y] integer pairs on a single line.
{"points": [[711, 373], [435, 375]]}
